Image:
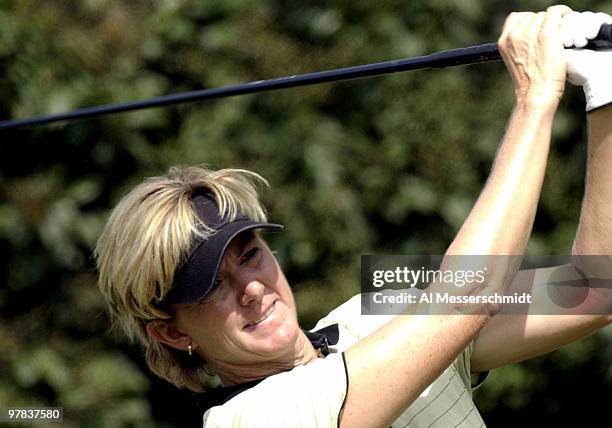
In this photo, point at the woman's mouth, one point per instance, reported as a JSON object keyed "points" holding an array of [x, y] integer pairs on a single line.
{"points": [[262, 318]]}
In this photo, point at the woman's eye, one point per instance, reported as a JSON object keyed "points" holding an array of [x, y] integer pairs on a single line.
{"points": [[249, 254], [219, 280], [214, 293]]}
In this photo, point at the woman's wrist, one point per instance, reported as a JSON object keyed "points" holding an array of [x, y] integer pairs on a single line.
{"points": [[538, 103], [546, 96]]}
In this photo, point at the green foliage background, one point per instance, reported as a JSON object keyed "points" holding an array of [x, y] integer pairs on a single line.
{"points": [[382, 165]]}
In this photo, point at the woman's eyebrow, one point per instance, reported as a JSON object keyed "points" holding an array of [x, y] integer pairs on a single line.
{"points": [[246, 238], [242, 240]]}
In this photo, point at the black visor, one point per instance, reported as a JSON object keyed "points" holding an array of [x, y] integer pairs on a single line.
{"points": [[195, 278]]}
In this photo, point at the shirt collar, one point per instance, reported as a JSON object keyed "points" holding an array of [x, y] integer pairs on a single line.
{"points": [[320, 339]]}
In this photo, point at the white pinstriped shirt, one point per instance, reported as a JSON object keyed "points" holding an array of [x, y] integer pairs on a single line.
{"points": [[312, 395], [446, 403]]}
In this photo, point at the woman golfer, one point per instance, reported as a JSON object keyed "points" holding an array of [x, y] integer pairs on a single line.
{"points": [[185, 269]]}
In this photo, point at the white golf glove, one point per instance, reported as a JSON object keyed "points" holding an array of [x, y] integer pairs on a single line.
{"points": [[588, 68]]}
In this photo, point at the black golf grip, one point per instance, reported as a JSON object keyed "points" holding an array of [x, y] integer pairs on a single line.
{"points": [[603, 39]]}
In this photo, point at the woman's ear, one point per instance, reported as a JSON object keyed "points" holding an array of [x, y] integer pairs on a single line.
{"points": [[163, 332]]}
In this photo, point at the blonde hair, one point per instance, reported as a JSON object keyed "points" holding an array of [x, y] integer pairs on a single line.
{"points": [[144, 241]]}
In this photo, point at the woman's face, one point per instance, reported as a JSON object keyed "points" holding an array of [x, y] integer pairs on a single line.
{"points": [[250, 316]]}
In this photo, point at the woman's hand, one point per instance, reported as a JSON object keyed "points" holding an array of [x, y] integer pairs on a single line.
{"points": [[532, 47]]}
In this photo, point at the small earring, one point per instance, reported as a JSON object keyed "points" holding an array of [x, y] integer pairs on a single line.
{"points": [[189, 350]]}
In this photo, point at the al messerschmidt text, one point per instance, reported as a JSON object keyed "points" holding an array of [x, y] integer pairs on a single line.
{"points": [[426, 297]]}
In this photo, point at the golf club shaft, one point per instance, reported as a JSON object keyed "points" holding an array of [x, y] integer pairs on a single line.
{"points": [[469, 55], [448, 58]]}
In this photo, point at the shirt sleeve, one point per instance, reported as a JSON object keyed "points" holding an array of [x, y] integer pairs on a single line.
{"points": [[307, 396], [352, 321], [463, 367]]}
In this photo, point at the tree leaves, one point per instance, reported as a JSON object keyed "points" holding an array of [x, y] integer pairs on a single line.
{"points": [[389, 164]]}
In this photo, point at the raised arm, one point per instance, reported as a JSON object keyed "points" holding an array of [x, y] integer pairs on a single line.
{"points": [[592, 248], [591, 70], [559, 314], [390, 368], [594, 235]]}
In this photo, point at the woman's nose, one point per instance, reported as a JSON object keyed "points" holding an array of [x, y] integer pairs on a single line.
{"points": [[253, 293]]}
